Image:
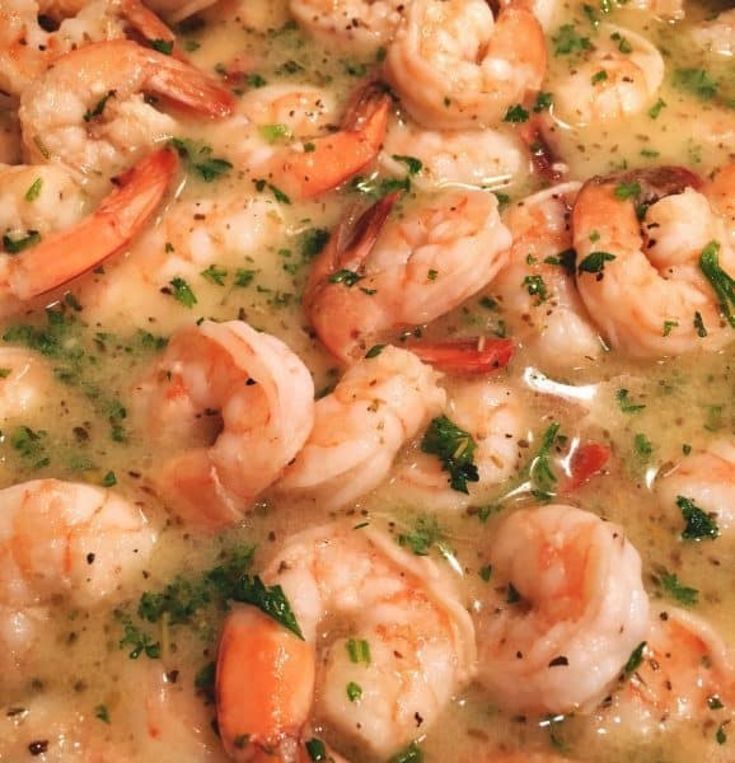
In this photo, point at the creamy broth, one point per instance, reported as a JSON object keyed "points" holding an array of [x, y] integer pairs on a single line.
{"points": [[79, 694]]}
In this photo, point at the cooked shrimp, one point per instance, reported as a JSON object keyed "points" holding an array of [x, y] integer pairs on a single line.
{"points": [[259, 399], [357, 26], [482, 158], [686, 665], [68, 253], [454, 66], [583, 610], [394, 628], [25, 381], [708, 479], [374, 277], [307, 166], [641, 280], [88, 112], [378, 405], [717, 35], [667, 9], [493, 415], [535, 289], [608, 83], [172, 10], [26, 50]]}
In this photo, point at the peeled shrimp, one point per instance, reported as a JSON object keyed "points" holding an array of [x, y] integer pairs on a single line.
{"points": [[708, 479], [686, 665], [536, 291], [378, 405], [374, 277], [454, 66], [88, 112], [482, 158], [359, 26], [26, 50], [66, 254], [610, 84], [303, 164], [249, 385], [172, 10], [399, 634], [583, 610], [493, 415], [717, 35], [648, 294]]}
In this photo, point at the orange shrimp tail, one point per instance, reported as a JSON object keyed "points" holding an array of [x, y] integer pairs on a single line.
{"points": [[122, 214], [146, 23], [470, 357], [338, 157], [264, 685]]}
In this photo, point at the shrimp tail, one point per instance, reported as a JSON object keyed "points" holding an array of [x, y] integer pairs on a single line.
{"points": [[655, 182], [146, 23], [467, 357], [264, 685], [121, 215]]}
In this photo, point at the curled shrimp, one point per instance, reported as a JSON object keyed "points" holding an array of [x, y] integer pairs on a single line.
{"points": [[374, 277], [378, 405], [642, 279], [686, 674], [535, 289], [88, 112], [27, 50], [62, 539], [66, 254], [619, 77], [246, 391], [309, 165], [582, 610], [398, 632], [454, 66], [708, 479], [492, 414], [481, 158], [359, 26]]}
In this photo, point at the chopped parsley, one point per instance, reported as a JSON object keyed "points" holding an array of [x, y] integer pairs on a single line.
{"points": [[182, 293], [271, 600], [413, 164], [34, 190], [626, 405], [13, 245], [244, 277], [567, 41], [102, 713], [317, 750], [354, 691], [312, 242], [635, 660], [347, 277], [215, 274], [162, 46], [599, 76], [455, 448], [627, 190], [358, 651], [642, 445], [200, 160], [657, 108], [669, 326], [278, 194], [536, 287], [566, 259], [374, 351], [109, 480], [699, 524], [99, 107], [412, 754], [722, 282], [425, 534], [275, 133], [543, 102], [671, 584], [595, 262], [699, 326], [516, 114], [697, 82], [540, 471]]}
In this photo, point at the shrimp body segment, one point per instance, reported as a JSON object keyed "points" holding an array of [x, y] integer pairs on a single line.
{"points": [[406, 271], [69, 253], [379, 404], [88, 111], [403, 638], [641, 280], [535, 288], [49, 532], [455, 67], [583, 610], [708, 479], [251, 385]]}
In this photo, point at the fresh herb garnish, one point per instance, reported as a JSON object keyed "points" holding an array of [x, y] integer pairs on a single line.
{"points": [[722, 282], [595, 262], [625, 403], [635, 660], [425, 534], [182, 293], [271, 600], [699, 524], [455, 448], [14, 245], [671, 584]]}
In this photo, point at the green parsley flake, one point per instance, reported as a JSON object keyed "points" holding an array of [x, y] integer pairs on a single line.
{"points": [[455, 448], [34, 190], [182, 293], [358, 651], [699, 524]]}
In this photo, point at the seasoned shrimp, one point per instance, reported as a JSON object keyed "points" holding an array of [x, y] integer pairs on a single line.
{"points": [[717, 35], [482, 158], [245, 390], [25, 381], [172, 10], [66, 254], [619, 77], [27, 50], [454, 66], [686, 668], [535, 289], [401, 635], [492, 414], [582, 611], [642, 280], [88, 112], [357, 26], [378, 405], [374, 277], [708, 479], [304, 165]]}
